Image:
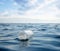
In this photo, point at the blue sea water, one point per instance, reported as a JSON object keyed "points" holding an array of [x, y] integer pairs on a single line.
{"points": [[46, 37]]}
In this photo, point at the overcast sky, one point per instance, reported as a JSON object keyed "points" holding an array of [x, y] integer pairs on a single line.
{"points": [[29, 11]]}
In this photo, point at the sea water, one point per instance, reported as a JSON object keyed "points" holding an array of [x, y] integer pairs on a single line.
{"points": [[46, 37]]}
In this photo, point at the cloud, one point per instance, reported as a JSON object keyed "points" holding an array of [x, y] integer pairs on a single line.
{"points": [[46, 10], [26, 5], [34, 6], [8, 13], [48, 1], [58, 4], [4, 14]]}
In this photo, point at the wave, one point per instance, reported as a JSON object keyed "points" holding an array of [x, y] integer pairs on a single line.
{"points": [[46, 37]]}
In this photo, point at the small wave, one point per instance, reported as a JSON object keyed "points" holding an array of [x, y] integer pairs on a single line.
{"points": [[5, 29], [9, 43], [6, 35], [58, 37], [2, 24], [46, 37], [5, 49]]}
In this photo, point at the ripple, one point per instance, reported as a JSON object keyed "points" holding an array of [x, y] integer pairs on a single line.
{"points": [[57, 37], [12, 43], [46, 37], [48, 46], [5, 49]]}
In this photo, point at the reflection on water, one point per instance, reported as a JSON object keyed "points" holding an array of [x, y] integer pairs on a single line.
{"points": [[24, 44]]}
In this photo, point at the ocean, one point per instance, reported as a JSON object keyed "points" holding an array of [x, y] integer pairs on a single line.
{"points": [[46, 37]]}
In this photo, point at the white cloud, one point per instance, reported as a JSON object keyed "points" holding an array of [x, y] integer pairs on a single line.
{"points": [[15, 4], [40, 7], [32, 2], [4, 14], [44, 12], [25, 20], [49, 1]]}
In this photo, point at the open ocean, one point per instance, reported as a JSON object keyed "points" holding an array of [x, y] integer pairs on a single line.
{"points": [[46, 37]]}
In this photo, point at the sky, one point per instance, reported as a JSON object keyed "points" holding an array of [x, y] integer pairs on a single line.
{"points": [[29, 11]]}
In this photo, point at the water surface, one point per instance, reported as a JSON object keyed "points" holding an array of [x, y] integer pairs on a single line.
{"points": [[46, 37]]}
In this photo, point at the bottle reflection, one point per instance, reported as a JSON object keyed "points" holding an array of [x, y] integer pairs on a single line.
{"points": [[24, 43]]}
